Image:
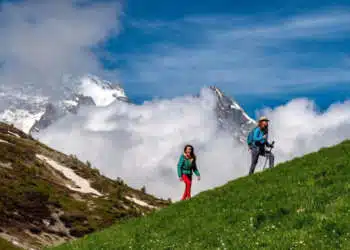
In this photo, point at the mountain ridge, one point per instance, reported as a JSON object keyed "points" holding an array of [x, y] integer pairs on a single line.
{"points": [[93, 91], [45, 194], [39, 113]]}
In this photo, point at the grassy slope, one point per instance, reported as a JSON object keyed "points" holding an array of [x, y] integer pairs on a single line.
{"points": [[301, 204], [5, 245], [31, 192]]}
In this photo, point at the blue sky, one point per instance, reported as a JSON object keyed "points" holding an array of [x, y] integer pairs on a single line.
{"points": [[260, 52]]}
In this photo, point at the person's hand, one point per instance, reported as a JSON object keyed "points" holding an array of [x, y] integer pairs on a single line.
{"points": [[264, 136], [198, 178], [181, 179]]}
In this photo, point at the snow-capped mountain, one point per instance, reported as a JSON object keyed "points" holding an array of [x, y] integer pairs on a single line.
{"points": [[231, 116], [102, 92], [90, 90], [20, 118]]}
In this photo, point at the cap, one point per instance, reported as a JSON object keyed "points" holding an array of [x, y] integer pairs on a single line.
{"points": [[263, 118]]}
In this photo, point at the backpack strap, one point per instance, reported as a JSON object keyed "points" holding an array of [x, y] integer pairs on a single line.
{"points": [[253, 131]]}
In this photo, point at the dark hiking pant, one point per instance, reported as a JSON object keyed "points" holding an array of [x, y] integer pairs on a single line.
{"points": [[255, 153]]}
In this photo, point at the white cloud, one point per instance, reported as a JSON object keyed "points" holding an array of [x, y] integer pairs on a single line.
{"points": [[142, 144], [311, 26], [299, 128], [42, 41]]}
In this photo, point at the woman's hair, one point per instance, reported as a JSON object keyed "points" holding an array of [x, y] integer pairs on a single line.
{"points": [[193, 155]]}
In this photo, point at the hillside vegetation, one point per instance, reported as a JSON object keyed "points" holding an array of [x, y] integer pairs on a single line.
{"points": [[48, 197], [300, 204], [5, 245]]}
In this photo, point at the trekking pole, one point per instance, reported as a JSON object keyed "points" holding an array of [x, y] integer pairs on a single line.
{"points": [[268, 152], [265, 163]]}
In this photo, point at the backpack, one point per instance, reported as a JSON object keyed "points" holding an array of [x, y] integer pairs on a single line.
{"points": [[250, 137]]}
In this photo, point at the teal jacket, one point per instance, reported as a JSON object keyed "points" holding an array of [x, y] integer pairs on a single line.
{"points": [[185, 166], [258, 137]]}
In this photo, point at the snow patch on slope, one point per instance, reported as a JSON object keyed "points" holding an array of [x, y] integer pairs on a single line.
{"points": [[14, 134], [83, 184], [3, 141], [140, 202]]}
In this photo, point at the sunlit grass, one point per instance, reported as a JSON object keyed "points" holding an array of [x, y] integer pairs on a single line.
{"points": [[301, 204]]}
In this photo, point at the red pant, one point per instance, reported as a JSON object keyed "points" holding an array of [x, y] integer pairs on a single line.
{"points": [[188, 183]]}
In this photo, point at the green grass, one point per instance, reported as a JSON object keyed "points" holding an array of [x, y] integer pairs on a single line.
{"points": [[5, 245], [301, 204]]}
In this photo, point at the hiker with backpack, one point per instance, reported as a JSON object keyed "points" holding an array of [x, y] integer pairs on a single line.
{"points": [[185, 168], [258, 141]]}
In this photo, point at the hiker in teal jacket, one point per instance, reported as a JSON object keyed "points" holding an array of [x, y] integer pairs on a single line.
{"points": [[185, 168], [259, 144]]}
